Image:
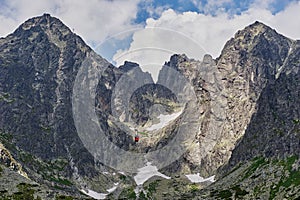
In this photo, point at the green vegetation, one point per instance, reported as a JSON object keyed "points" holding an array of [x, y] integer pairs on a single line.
{"points": [[122, 177], [142, 196], [63, 197], [1, 170], [152, 187], [224, 194], [193, 188], [239, 192], [257, 190], [58, 164], [25, 191], [235, 192], [131, 194], [3, 193], [128, 194], [257, 163], [292, 179], [49, 170], [284, 181], [61, 181]]}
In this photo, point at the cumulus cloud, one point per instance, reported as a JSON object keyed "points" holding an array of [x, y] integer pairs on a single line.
{"points": [[196, 34], [94, 20]]}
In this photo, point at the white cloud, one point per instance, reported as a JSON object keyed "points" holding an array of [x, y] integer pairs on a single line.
{"points": [[93, 20], [210, 32], [286, 21]]}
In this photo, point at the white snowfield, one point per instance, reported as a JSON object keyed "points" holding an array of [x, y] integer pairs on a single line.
{"points": [[147, 172], [112, 189], [97, 195], [196, 178], [94, 194], [163, 121]]}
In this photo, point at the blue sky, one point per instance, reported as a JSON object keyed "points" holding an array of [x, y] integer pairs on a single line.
{"points": [[232, 7], [177, 5]]}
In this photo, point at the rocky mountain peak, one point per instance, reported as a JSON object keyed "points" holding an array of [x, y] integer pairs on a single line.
{"points": [[128, 66], [253, 29], [176, 59], [43, 29], [46, 22], [256, 34]]}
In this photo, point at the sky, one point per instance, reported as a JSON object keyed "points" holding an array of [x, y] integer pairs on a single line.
{"points": [[150, 31]]}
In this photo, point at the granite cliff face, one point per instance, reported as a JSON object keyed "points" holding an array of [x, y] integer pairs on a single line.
{"points": [[241, 110], [249, 62], [265, 162]]}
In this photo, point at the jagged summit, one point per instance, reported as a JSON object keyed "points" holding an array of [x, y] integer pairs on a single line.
{"points": [[256, 41], [175, 59], [127, 66], [257, 25], [41, 28], [46, 22], [256, 28], [252, 33]]}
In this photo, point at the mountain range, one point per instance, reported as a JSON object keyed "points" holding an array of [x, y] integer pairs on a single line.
{"points": [[67, 114]]}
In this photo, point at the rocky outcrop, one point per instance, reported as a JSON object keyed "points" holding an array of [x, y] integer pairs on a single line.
{"points": [[274, 128], [249, 62], [7, 160]]}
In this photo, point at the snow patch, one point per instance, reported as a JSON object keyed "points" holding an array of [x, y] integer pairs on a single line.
{"points": [[147, 172], [94, 194], [196, 178], [112, 189], [97, 195], [163, 121], [123, 173]]}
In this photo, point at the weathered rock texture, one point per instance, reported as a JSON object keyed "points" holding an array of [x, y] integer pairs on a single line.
{"points": [[239, 106]]}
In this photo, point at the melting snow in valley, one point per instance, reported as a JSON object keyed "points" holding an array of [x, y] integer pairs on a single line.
{"points": [[97, 195], [94, 194], [196, 178], [163, 121], [147, 172]]}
